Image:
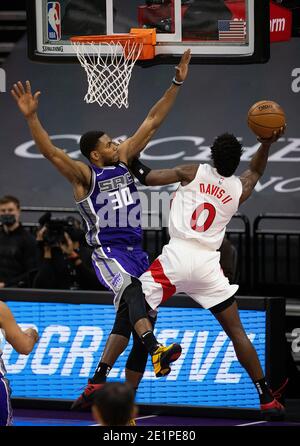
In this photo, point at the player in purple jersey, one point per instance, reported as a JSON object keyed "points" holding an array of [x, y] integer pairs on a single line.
{"points": [[105, 195], [23, 342]]}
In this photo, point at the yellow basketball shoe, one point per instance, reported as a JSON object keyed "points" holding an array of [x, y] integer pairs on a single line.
{"points": [[162, 358], [132, 422]]}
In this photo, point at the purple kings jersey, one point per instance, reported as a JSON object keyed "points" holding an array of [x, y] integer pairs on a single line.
{"points": [[112, 209]]}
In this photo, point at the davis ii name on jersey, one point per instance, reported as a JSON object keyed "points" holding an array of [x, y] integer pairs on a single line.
{"points": [[216, 191]]}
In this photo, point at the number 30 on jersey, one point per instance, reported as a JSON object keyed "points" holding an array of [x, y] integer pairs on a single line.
{"points": [[121, 198]]}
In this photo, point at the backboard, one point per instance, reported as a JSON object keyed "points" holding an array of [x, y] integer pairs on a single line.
{"points": [[217, 31]]}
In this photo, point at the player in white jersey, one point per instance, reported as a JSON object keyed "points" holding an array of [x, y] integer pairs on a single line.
{"points": [[23, 342], [203, 205]]}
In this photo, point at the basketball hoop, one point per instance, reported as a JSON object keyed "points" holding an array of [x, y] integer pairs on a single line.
{"points": [[108, 61]]}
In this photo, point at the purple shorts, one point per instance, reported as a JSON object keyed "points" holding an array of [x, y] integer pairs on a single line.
{"points": [[5, 405], [115, 266]]}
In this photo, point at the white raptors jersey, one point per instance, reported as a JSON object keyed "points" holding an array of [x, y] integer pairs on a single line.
{"points": [[202, 209]]}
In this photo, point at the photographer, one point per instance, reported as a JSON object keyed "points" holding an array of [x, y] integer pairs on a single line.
{"points": [[18, 251], [65, 260]]}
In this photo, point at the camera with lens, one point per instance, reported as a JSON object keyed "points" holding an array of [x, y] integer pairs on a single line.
{"points": [[56, 228]]}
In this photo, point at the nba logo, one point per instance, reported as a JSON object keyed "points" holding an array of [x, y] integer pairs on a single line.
{"points": [[54, 21]]}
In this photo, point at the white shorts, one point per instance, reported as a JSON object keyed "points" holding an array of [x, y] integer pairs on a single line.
{"points": [[186, 267]]}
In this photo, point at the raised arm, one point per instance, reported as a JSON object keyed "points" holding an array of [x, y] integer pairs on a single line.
{"points": [[257, 165], [22, 341], [75, 171], [136, 143]]}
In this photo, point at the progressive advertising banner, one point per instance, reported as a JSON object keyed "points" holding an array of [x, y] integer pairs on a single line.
{"points": [[72, 338]]}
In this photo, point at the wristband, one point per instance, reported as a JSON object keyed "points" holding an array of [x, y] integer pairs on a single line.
{"points": [[175, 82]]}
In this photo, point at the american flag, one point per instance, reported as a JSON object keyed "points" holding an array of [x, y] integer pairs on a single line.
{"points": [[232, 30]]}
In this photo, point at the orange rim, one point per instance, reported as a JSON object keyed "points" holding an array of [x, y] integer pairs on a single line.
{"points": [[121, 38], [144, 37]]}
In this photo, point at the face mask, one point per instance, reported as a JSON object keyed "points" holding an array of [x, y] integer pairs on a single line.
{"points": [[8, 219]]}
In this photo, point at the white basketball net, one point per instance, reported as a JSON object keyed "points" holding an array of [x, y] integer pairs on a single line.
{"points": [[108, 66]]}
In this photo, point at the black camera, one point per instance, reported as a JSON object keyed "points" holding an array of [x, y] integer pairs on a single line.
{"points": [[56, 228]]}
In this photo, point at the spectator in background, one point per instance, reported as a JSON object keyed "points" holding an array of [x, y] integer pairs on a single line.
{"points": [[18, 252], [114, 405], [65, 260]]}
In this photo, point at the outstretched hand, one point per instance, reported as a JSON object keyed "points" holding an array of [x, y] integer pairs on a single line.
{"points": [[183, 66], [27, 103], [275, 136]]}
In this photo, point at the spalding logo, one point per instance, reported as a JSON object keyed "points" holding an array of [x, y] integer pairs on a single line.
{"points": [[264, 107]]}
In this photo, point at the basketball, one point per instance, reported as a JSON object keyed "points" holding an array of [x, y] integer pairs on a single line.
{"points": [[264, 117]]}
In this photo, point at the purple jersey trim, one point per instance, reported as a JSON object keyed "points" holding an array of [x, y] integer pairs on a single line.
{"points": [[90, 221]]}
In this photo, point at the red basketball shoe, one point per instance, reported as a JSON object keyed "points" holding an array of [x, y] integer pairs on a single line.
{"points": [[85, 400], [274, 410]]}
